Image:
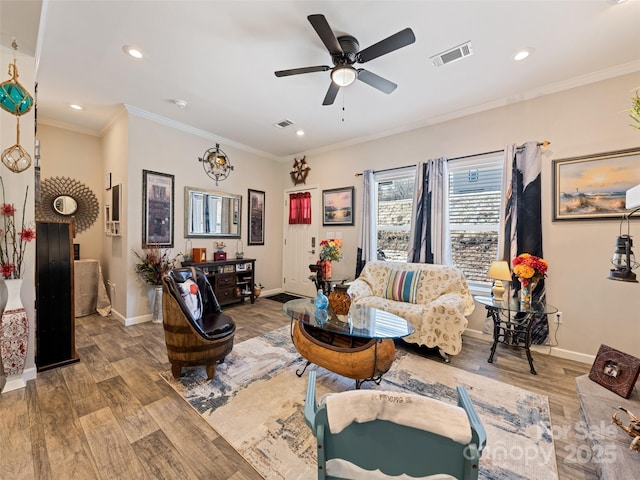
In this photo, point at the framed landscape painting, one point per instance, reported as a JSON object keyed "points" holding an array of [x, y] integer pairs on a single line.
{"points": [[337, 206], [594, 186], [157, 209]]}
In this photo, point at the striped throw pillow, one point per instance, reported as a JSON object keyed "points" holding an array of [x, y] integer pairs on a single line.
{"points": [[403, 285]]}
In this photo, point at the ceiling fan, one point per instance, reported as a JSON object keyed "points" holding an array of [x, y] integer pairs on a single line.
{"points": [[345, 53]]}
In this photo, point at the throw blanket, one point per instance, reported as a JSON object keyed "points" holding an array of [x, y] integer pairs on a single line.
{"points": [[407, 409]]}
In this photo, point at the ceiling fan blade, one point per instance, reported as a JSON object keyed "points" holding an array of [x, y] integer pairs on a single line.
{"points": [[376, 81], [322, 28], [394, 42], [331, 94], [298, 71]]}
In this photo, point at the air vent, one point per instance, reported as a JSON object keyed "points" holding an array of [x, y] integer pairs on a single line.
{"points": [[283, 123], [452, 54]]}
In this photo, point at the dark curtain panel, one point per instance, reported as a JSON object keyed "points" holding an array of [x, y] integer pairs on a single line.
{"points": [[523, 219]]}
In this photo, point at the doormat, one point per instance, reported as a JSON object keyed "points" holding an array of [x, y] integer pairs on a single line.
{"points": [[255, 402], [282, 297]]}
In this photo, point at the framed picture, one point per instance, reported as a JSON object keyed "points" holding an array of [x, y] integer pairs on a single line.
{"points": [[337, 206], [157, 209], [256, 217], [594, 186], [615, 370]]}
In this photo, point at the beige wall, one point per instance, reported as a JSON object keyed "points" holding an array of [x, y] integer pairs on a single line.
{"points": [[160, 148], [15, 185], [65, 153], [580, 121]]}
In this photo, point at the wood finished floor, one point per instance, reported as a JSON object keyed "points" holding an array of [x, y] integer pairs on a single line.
{"points": [[111, 416]]}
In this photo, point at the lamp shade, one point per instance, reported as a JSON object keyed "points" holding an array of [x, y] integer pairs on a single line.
{"points": [[499, 270], [344, 76]]}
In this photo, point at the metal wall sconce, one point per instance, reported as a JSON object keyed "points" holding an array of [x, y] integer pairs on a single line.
{"points": [[623, 259], [216, 164]]}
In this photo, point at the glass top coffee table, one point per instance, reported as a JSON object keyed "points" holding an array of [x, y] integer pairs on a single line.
{"points": [[358, 345]]}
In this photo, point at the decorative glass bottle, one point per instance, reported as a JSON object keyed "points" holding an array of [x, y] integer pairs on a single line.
{"points": [[321, 300]]}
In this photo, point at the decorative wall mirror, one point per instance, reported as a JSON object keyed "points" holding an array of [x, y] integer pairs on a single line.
{"points": [[64, 199], [211, 214]]}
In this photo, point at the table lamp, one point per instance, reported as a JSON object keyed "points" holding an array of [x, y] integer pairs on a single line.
{"points": [[499, 271]]}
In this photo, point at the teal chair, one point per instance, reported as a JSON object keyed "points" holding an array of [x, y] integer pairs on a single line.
{"points": [[393, 448]]}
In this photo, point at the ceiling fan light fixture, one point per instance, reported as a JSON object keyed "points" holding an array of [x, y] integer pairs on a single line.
{"points": [[344, 76]]}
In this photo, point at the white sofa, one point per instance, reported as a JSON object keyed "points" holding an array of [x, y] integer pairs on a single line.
{"points": [[441, 295]]}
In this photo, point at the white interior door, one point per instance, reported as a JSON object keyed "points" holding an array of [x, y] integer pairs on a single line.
{"points": [[300, 247]]}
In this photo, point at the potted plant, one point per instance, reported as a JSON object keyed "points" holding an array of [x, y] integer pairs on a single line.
{"points": [[153, 263]]}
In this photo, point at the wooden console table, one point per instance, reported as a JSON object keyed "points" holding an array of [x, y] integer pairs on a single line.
{"points": [[232, 280]]}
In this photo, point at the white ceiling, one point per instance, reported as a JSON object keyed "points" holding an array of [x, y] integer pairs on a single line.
{"points": [[220, 57]]}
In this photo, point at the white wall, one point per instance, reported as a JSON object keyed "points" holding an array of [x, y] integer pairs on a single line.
{"points": [[584, 120], [160, 148], [65, 153], [15, 185], [580, 121], [114, 249]]}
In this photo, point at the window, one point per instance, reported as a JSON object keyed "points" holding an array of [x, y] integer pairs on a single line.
{"points": [[394, 198], [475, 186], [474, 215]]}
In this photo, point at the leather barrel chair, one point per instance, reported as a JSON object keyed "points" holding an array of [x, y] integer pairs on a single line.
{"points": [[195, 329]]}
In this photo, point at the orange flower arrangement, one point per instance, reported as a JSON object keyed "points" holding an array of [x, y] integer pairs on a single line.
{"points": [[529, 268], [331, 249]]}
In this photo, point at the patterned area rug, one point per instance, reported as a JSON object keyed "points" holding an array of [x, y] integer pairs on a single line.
{"points": [[255, 401]]}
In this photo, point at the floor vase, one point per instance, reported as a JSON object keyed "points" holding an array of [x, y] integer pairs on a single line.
{"points": [[14, 330]]}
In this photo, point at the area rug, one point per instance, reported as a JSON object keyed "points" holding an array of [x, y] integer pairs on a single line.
{"points": [[255, 401], [282, 297]]}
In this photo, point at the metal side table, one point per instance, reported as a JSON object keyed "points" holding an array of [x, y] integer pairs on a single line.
{"points": [[512, 324]]}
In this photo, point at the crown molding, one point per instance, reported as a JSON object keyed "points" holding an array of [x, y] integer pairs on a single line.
{"points": [[138, 112]]}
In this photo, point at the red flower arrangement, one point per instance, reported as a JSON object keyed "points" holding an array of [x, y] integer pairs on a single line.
{"points": [[529, 268], [13, 241]]}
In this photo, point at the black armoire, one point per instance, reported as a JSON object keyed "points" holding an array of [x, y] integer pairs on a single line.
{"points": [[55, 319]]}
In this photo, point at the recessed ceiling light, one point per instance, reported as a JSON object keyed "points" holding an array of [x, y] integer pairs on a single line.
{"points": [[300, 132], [522, 54], [132, 51], [615, 2], [76, 106]]}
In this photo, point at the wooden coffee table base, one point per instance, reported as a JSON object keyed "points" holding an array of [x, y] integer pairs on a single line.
{"points": [[362, 359]]}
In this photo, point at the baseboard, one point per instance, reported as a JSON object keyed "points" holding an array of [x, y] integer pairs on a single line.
{"points": [[18, 381], [546, 349]]}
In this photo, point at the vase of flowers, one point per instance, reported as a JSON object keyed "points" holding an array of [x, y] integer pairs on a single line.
{"points": [[14, 324], [330, 250], [530, 270], [153, 263]]}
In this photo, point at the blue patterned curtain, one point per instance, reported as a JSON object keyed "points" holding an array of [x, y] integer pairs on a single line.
{"points": [[429, 238], [521, 218], [367, 239]]}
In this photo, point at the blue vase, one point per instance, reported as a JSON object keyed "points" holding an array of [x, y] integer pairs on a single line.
{"points": [[321, 300]]}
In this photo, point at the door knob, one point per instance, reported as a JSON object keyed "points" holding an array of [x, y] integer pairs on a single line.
{"points": [[312, 251]]}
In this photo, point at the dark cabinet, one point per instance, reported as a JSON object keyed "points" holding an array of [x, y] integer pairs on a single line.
{"points": [[55, 320], [232, 280]]}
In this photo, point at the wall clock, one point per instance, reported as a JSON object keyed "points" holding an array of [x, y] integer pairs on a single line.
{"points": [[299, 171]]}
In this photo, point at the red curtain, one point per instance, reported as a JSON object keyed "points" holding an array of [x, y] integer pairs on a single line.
{"points": [[300, 208]]}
